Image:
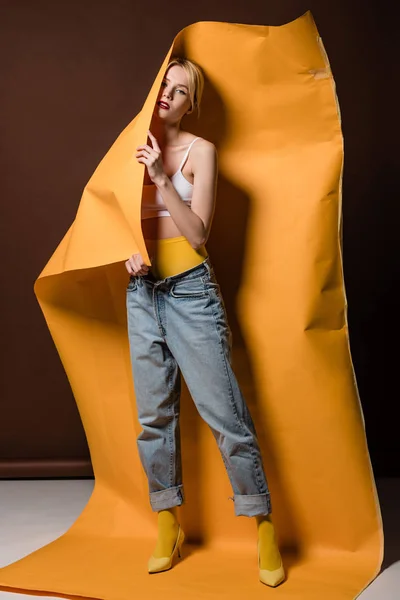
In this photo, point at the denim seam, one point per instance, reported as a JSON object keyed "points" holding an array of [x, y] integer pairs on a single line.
{"points": [[157, 503], [169, 489], [225, 459], [248, 498], [170, 423], [174, 396], [255, 462], [248, 503], [155, 310]]}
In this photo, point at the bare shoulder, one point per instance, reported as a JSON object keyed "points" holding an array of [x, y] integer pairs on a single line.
{"points": [[204, 145], [203, 151]]}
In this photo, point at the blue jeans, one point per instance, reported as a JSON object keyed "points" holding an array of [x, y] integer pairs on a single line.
{"points": [[179, 325]]}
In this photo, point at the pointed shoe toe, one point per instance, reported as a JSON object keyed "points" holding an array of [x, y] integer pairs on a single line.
{"points": [[271, 578], [157, 565]]}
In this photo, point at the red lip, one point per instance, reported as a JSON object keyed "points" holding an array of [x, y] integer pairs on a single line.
{"points": [[163, 104]]}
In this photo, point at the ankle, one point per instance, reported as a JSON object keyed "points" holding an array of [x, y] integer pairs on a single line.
{"points": [[168, 528], [262, 518], [264, 523], [168, 516], [168, 523]]}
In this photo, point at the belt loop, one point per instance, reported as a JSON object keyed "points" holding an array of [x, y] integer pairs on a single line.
{"points": [[207, 264]]}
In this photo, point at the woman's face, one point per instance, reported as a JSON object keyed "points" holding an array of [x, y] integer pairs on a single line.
{"points": [[173, 95]]}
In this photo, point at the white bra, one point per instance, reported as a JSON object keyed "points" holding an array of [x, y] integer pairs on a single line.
{"points": [[153, 204]]}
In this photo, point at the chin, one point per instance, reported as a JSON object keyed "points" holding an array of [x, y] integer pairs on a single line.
{"points": [[158, 112]]}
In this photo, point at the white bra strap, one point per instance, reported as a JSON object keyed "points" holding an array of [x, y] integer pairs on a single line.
{"points": [[187, 153]]}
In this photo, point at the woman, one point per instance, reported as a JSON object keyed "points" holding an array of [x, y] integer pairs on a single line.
{"points": [[177, 322]]}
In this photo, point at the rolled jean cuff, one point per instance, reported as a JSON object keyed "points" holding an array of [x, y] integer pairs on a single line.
{"points": [[167, 498], [250, 505]]}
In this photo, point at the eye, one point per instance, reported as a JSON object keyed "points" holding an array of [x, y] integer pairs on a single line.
{"points": [[164, 83]]}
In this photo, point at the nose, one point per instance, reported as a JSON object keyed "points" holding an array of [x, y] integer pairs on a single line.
{"points": [[166, 93]]}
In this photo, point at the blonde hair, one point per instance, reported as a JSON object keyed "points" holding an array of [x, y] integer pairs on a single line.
{"points": [[195, 80]]}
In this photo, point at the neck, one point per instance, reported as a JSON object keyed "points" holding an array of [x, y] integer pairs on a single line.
{"points": [[166, 134]]}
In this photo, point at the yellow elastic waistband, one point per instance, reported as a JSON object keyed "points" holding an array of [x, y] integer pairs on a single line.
{"points": [[164, 241], [175, 255]]}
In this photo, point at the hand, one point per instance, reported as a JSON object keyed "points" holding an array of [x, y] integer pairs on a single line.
{"points": [[135, 265], [151, 157]]}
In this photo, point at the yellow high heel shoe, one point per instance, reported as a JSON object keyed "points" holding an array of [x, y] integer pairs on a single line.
{"points": [[272, 578], [156, 565]]}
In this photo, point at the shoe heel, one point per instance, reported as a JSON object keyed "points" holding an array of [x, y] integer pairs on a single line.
{"points": [[180, 543]]}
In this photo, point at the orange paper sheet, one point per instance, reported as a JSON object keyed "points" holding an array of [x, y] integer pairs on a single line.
{"points": [[270, 106]]}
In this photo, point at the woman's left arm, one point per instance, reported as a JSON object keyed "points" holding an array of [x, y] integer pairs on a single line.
{"points": [[194, 222]]}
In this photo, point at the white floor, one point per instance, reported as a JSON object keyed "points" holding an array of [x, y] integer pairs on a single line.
{"points": [[35, 512]]}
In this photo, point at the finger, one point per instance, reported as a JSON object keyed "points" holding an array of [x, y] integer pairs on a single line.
{"points": [[154, 141], [135, 266], [148, 148], [140, 267], [143, 268], [146, 154], [144, 160], [132, 266], [129, 267]]}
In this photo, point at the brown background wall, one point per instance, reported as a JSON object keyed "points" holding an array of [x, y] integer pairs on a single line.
{"points": [[72, 75]]}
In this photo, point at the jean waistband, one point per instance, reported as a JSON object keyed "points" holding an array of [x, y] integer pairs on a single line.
{"points": [[202, 268]]}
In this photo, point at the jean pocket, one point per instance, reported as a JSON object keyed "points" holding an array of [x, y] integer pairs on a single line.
{"points": [[212, 284], [132, 284], [189, 288]]}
